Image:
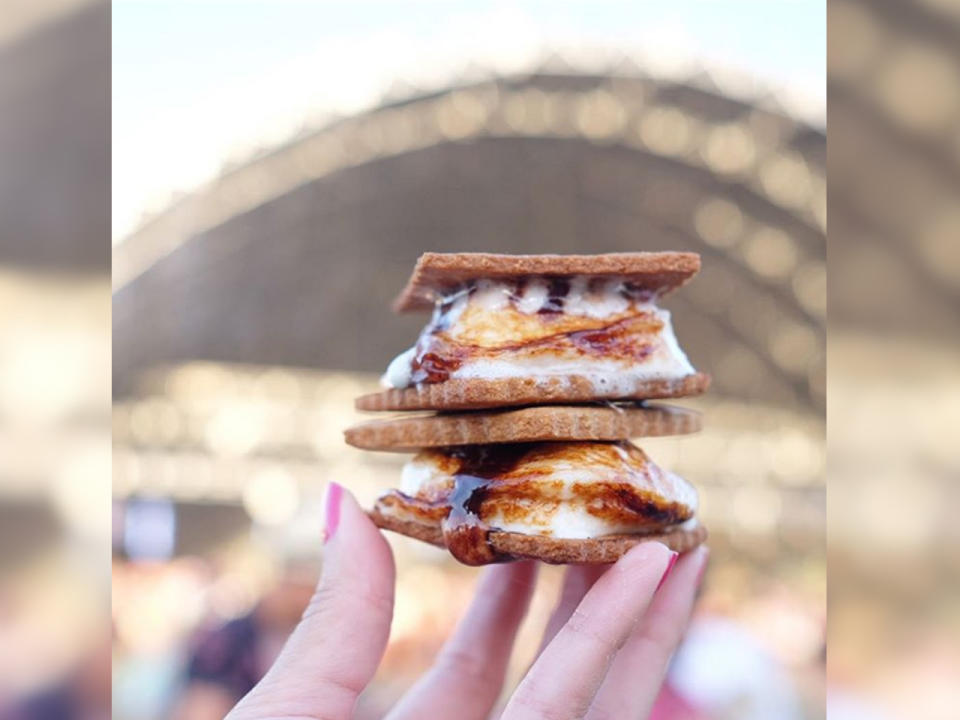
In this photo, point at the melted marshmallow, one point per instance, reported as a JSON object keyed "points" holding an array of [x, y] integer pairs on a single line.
{"points": [[562, 512], [501, 315]]}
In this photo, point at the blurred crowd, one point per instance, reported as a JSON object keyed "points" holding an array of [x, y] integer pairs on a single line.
{"points": [[767, 630]]}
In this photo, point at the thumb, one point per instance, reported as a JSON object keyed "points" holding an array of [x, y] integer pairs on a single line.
{"points": [[335, 649]]}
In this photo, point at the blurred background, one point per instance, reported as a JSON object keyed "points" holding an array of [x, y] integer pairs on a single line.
{"points": [[55, 455], [278, 168], [894, 411]]}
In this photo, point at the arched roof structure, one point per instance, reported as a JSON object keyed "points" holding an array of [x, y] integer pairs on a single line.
{"points": [[291, 258]]}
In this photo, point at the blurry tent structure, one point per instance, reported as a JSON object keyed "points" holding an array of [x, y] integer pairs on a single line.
{"points": [[292, 258], [232, 306]]}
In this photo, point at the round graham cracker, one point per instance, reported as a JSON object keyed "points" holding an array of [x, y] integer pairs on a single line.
{"points": [[556, 551], [475, 394], [531, 424]]}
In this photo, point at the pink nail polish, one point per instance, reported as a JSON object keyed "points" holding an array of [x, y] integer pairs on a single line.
{"points": [[331, 510], [670, 564]]}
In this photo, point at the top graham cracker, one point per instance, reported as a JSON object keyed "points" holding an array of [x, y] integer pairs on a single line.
{"points": [[436, 273]]}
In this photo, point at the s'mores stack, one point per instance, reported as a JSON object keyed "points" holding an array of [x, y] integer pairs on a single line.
{"points": [[536, 371]]}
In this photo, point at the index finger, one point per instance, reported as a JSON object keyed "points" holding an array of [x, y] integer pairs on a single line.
{"points": [[334, 651]]}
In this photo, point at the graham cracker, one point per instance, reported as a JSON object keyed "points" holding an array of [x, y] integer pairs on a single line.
{"points": [[477, 394], [557, 551], [434, 273], [531, 424]]}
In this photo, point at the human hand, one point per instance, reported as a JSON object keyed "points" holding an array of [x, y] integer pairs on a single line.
{"points": [[603, 655]]}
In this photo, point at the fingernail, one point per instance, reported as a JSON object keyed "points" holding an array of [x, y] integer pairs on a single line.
{"points": [[670, 564], [331, 511]]}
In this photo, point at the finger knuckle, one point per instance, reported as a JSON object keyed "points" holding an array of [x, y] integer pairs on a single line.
{"points": [[375, 599], [585, 625], [264, 706], [612, 713], [547, 709], [331, 598], [320, 602], [658, 639], [656, 645], [469, 667]]}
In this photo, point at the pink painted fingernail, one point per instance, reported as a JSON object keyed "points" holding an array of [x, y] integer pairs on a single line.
{"points": [[670, 564], [331, 510]]}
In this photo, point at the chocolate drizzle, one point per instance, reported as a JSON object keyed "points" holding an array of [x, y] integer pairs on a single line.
{"points": [[466, 535], [639, 293], [626, 338], [557, 291], [433, 368]]}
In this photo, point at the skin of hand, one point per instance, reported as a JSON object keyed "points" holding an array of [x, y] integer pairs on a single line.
{"points": [[604, 653]]}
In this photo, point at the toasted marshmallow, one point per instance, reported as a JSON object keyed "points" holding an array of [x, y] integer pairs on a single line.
{"points": [[563, 490], [597, 328]]}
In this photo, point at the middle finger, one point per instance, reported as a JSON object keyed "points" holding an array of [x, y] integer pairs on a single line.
{"points": [[466, 679], [576, 581]]}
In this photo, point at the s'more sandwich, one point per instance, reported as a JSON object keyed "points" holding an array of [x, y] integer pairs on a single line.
{"points": [[537, 371]]}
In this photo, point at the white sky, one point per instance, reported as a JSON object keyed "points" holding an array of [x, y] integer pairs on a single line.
{"points": [[199, 82]]}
